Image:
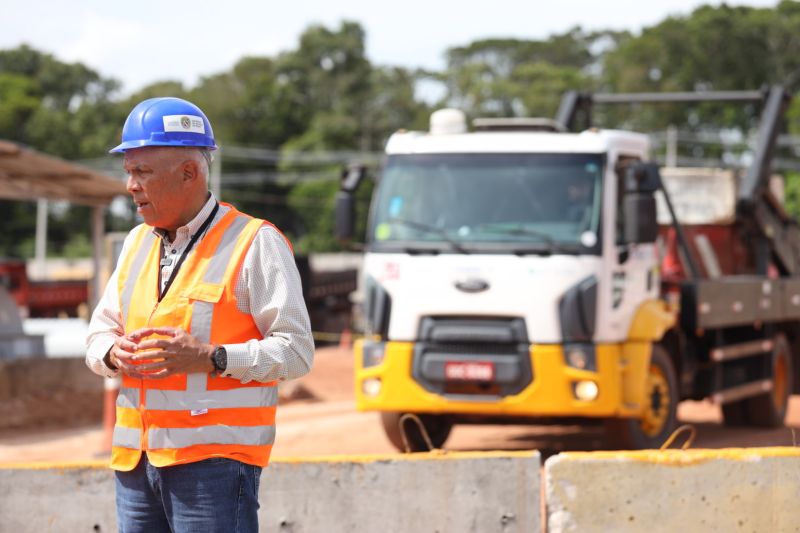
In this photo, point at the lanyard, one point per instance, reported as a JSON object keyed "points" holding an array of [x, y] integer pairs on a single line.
{"points": [[189, 246]]}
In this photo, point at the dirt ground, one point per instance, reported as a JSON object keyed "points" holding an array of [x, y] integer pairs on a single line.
{"points": [[328, 424]]}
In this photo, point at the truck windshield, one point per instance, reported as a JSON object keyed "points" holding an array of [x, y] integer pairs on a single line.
{"points": [[465, 203]]}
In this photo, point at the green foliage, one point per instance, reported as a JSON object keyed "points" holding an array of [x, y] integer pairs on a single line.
{"points": [[715, 48], [315, 202], [252, 105], [326, 131], [20, 100], [16, 239], [513, 77], [47, 104], [326, 95], [392, 106], [792, 193], [77, 246], [540, 86]]}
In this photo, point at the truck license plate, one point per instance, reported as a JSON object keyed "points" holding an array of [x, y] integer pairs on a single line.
{"points": [[469, 370]]}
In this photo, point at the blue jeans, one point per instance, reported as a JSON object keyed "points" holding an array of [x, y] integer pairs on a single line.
{"points": [[212, 495]]}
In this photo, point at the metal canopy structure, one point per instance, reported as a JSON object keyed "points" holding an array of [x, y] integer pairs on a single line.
{"points": [[26, 174]]}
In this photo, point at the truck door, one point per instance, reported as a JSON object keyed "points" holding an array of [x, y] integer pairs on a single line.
{"points": [[633, 276]]}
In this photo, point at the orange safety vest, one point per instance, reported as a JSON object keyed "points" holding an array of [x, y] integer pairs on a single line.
{"points": [[190, 417]]}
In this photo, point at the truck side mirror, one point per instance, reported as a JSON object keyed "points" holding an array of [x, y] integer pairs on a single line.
{"points": [[642, 177], [641, 225], [345, 216], [344, 227]]}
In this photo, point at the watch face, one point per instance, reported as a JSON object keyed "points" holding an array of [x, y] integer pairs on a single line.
{"points": [[220, 358]]}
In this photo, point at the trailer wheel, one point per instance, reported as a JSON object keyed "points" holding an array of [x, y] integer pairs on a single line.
{"points": [[437, 426], [660, 415], [769, 410]]}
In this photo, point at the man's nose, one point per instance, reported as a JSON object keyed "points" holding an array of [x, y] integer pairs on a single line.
{"points": [[133, 184]]}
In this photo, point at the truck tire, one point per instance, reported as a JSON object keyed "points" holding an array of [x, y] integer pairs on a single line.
{"points": [[437, 426], [769, 410], [660, 416]]}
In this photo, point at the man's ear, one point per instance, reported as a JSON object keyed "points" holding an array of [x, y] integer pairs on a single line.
{"points": [[190, 170]]}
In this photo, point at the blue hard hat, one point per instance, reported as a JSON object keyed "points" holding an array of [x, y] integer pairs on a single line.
{"points": [[166, 121]]}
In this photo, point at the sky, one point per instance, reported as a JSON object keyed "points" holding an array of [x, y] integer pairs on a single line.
{"points": [[142, 42]]}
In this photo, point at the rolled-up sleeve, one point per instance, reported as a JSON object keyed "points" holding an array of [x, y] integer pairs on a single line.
{"points": [[269, 289]]}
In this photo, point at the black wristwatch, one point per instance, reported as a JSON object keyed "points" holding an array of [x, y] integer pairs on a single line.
{"points": [[220, 359]]}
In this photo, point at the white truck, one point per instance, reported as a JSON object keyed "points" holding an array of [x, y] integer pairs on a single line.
{"points": [[518, 272]]}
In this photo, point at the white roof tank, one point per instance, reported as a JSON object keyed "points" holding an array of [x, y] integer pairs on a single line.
{"points": [[448, 121]]}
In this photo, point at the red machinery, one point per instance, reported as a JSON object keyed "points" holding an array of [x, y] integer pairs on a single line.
{"points": [[50, 298]]}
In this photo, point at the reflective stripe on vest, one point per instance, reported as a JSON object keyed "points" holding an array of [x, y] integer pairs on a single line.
{"points": [[127, 438], [128, 397], [136, 266], [175, 400], [203, 312], [221, 258], [184, 437], [202, 301]]}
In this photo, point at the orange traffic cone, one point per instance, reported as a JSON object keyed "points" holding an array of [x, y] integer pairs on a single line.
{"points": [[346, 339]]}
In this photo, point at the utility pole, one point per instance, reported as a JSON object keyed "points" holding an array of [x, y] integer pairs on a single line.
{"points": [[98, 231], [672, 146], [41, 237]]}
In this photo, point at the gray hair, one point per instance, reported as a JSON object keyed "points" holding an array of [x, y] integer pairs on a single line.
{"points": [[207, 155]]}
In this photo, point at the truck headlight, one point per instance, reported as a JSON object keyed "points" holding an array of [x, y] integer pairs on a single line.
{"points": [[372, 353], [371, 387], [580, 356], [586, 390]]}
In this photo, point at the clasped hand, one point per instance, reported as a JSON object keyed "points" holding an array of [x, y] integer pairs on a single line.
{"points": [[179, 353]]}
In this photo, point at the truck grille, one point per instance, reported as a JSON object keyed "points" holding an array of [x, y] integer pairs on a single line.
{"points": [[501, 344]]}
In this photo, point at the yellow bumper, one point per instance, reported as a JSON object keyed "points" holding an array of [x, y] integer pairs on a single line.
{"points": [[620, 379]]}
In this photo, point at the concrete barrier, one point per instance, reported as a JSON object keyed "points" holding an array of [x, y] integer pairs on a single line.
{"points": [[747, 489], [53, 497], [453, 492]]}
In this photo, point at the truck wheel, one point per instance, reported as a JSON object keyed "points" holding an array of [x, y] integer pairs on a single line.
{"points": [[660, 415], [769, 410], [437, 426]]}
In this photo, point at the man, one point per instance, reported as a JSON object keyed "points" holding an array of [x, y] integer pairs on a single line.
{"points": [[202, 317]]}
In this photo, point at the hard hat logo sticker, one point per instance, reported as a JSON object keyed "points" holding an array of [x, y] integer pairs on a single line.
{"points": [[184, 124]]}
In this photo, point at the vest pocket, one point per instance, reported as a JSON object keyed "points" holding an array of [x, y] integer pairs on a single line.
{"points": [[205, 292], [202, 298]]}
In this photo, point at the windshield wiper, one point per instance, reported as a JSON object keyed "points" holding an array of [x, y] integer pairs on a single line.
{"points": [[518, 229], [430, 229]]}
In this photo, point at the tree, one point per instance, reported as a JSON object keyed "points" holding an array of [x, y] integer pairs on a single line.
{"points": [[330, 76], [713, 48], [64, 109], [314, 204], [20, 98], [53, 108], [325, 95], [392, 105], [514, 77]]}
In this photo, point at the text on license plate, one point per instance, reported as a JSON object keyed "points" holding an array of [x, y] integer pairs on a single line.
{"points": [[469, 370]]}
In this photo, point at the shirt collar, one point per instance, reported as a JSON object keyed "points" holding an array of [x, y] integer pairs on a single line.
{"points": [[184, 232]]}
